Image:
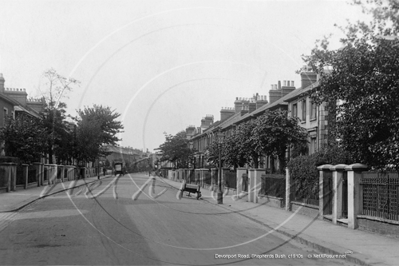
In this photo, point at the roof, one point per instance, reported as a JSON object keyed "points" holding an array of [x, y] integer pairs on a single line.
{"points": [[26, 109], [297, 93], [237, 117], [122, 150], [18, 106]]}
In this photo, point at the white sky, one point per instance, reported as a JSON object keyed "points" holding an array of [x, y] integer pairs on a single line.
{"points": [[162, 64]]}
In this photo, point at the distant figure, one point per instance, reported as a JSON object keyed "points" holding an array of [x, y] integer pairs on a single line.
{"points": [[149, 172], [104, 171]]}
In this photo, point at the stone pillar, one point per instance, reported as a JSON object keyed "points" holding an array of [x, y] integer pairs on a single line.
{"points": [[257, 182], [240, 172], [322, 170], [337, 190], [354, 176], [287, 190], [25, 174], [10, 175], [251, 185]]}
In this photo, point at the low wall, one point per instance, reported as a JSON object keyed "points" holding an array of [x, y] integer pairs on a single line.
{"points": [[271, 201], [378, 225], [305, 209]]}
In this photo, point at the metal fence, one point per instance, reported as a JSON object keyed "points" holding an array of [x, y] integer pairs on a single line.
{"points": [[380, 195], [309, 193], [273, 185], [32, 174]]}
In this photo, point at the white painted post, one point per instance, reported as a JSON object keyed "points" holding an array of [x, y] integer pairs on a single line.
{"points": [[354, 176], [257, 182], [322, 169], [251, 184], [337, 190], [240, 172]]}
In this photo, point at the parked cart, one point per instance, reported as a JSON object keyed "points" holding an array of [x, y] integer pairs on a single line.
{"points": [[191, 188]]}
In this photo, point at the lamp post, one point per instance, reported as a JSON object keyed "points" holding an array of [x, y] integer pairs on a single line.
{"points": [[219, 192]]}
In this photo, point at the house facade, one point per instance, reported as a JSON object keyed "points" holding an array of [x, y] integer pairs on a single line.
{"points": [[14, 102], [283, 96]]}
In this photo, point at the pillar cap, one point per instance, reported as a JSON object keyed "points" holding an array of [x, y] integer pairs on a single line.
{"points": [[324, 167], [338, 167], [357, 167]]}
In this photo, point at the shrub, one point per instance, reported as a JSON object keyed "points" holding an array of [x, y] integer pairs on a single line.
{"points": [[304, 173]]}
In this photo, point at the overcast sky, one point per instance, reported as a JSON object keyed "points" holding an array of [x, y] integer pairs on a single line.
{"points": [[163, 65]]}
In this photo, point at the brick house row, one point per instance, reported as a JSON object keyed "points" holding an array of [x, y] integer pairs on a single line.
{"points": [[283, 96], [14, 102]]}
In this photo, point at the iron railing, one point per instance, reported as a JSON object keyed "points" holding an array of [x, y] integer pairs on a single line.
{"points": [[380, 195]]}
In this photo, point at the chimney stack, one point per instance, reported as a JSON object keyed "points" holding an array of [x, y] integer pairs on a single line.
{"points": [[280, 92], [2, 80], [308, 77], [226, 112], [238, 105]]}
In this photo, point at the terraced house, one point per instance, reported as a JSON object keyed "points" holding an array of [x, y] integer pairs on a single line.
{"points": [[283, 96]]}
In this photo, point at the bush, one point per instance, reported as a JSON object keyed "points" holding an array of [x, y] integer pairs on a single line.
{"points": [[304, 173]]}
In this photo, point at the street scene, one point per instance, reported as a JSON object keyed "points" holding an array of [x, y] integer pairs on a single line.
{"points": [[201, 132], [145, 231]]}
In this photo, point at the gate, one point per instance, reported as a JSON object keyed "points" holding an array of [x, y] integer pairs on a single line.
{"points": [[345, 194]]}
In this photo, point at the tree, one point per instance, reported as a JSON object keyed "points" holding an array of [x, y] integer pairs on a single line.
{"points": [[246, 144], [54, 114], [97, 127], [24, 138], [275, 132], [176, 150], [362, 78]]}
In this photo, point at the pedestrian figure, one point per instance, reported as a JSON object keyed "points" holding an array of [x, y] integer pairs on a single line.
{"points": [[104, 171]]}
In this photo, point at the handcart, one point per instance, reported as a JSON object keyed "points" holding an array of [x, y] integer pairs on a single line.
{"points": [[191, 188]]}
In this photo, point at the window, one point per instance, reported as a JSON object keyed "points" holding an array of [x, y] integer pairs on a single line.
{"points": [[295, 110], [312, 110], [304, 110], [313, 146]]}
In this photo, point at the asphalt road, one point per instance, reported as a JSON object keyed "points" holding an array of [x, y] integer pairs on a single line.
{"points": [[101, 227]]}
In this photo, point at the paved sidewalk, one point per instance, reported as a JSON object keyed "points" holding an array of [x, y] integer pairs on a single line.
{"points": [[15, 200], [360, 247]]}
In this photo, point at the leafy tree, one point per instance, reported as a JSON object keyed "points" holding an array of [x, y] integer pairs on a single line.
{"points": [[275, 132], [176, 150], [97, 127], [247, 143], [362, 77], [24, 138], [231, 152]]}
